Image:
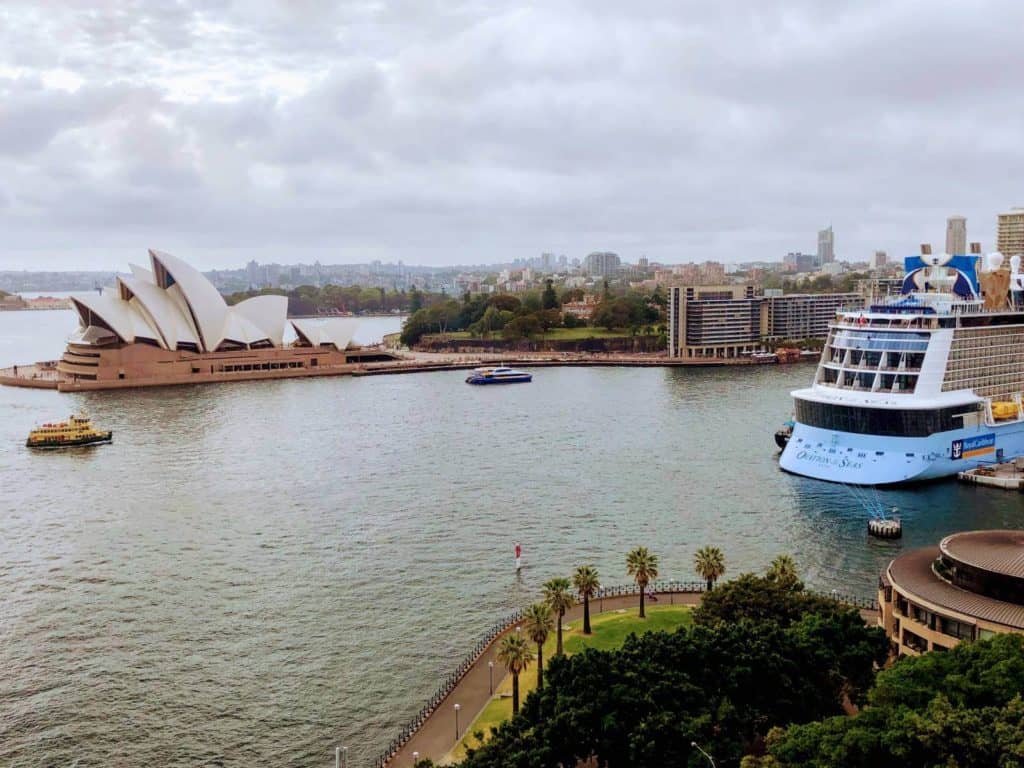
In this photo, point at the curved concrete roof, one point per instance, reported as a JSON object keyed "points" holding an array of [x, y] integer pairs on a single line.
{"points": [[269, 313], [174, 327], [175, 305], [206, 305], [111, 310], [912, 574], [995, 551], [337, 331]]}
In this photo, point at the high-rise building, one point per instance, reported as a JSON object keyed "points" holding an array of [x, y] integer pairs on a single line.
{"points": [[878, 260], [826, 246], [1010, 237], [602, 263], [956, 235]]}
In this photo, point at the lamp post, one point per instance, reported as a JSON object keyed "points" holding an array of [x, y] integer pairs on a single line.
{"points": [[711, 760], [415, 758], [457, 708], [490, 676], [341, 757]]}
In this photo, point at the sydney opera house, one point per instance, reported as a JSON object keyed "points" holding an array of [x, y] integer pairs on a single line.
{"points": [[169, 325]]}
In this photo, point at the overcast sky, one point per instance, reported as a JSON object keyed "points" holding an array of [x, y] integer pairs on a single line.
{"points": [[450, 131]]}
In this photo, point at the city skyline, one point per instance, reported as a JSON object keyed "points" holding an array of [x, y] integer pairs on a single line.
{"points": [[291, 132]]}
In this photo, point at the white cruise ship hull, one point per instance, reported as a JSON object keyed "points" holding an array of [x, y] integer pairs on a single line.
{"points": [[864, 459]]}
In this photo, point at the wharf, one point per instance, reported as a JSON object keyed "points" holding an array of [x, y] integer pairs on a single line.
{"points": [[1009, 475]]}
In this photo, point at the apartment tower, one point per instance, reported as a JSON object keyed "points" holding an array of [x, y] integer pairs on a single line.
{"points": [[956, 235]]}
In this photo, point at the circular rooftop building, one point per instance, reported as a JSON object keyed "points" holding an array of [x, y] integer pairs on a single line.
{"points": [[969, 587]]}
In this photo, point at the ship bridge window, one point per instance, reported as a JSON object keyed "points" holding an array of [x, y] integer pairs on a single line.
{"points": [[881, 341]]}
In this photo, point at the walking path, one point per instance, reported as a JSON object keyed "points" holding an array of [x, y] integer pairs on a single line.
{"points": [[436, 735]]}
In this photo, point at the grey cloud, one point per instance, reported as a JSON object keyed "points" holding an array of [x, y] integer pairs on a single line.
{"points": [[469, 131]]}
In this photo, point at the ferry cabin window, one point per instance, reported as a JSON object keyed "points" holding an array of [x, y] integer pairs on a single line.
{"points": [[895, 422]]}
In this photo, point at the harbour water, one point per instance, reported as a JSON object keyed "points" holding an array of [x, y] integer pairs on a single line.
{"points": [[255, 572]]}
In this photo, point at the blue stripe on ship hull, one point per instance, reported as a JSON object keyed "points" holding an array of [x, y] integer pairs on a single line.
{"points": [[845, 457], [521, 380]]}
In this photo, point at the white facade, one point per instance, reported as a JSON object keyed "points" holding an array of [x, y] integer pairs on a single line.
{"points": [[173, 306]]}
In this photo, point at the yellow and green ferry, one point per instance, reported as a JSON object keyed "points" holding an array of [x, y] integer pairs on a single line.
{"points": [[76, 431]]}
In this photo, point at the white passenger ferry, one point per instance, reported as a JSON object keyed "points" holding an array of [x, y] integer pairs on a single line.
{"points": [[919, 386]]}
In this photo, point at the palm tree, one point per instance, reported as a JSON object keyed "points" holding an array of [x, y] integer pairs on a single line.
{"points": [[710, 564], [514, 653], [783, 572], [586, 584], [642, 566], [559, 600], [538, 623]]}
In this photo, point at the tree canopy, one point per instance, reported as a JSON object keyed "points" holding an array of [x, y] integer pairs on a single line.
{"points": [[722, 684]]}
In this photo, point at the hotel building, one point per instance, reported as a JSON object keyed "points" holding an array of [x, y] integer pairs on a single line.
{"points": [[727, 321], [969, 587]]}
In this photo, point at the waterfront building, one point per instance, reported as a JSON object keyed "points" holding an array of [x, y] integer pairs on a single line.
{"points": [[806, 315], [602, 264], [735, 320], [826, 246], [956, 235], [1010, 234], [722, 321], [969, 587], [169, 325]]}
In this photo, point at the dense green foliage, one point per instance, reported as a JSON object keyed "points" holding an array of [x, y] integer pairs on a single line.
{"points": [[529, 314], [722, 683], [960, 709]]}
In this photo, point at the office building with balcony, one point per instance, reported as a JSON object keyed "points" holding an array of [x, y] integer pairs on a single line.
{"points": [[1010, 232], [969, 587], [806, 315], [718, 321], [602, 264]]}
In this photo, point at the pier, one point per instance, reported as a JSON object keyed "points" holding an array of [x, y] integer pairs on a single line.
{"points": [[1009, 475], [44, 375]]}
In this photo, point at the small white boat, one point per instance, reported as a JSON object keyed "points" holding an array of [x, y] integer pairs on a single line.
{"points": [[499, 374]]}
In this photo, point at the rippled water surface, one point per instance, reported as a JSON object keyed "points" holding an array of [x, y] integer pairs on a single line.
{"points": [[255, 572]]}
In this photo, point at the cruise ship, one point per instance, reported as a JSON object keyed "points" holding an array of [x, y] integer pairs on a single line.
{"points": [[921, 385]]}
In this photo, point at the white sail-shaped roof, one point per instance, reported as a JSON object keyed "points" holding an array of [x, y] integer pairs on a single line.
{"points": [[337, 331], [176, 307], [205, 304], [175, 326], [112, 312], [269, 313]]}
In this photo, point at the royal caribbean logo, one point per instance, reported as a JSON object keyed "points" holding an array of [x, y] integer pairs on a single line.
{"points": [[970, 447]]}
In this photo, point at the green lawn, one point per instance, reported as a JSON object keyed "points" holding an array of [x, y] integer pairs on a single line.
{"points": [[610, 631]]}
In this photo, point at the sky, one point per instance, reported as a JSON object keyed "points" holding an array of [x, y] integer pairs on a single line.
{"points": [[466, 131]]}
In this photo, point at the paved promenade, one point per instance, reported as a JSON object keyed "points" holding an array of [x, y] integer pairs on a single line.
{"points": [[436, 737]]}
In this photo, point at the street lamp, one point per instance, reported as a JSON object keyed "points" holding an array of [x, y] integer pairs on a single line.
{"points": [[341, 757], [415, 758], [457, 708], [490, 676], [711, 760]]}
